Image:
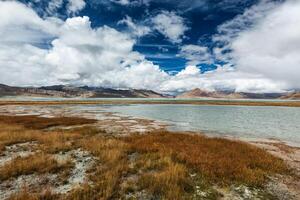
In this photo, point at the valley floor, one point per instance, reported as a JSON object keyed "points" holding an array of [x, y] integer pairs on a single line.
{"points": [[57, 154]]}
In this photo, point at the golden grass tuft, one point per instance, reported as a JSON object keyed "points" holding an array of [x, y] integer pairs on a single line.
{"points": [[219, 160], [15, 134], [37, 163], [169, 182], [25, 194], [112, 155], [35, 122]]}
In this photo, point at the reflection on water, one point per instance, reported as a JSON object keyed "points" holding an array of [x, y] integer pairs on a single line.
{"points": [[241, 121]]}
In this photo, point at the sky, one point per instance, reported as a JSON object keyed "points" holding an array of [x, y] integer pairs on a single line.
{"points": [[164, 45]]}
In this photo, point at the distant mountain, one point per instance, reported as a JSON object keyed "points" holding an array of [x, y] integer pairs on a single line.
{"points": [[292, 96], [99, 92], [70, 91], [198, 93]]}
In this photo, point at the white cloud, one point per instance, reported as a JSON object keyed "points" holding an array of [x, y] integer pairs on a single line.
{"points": [[264, 40], [24, 25], [170, 25], [80, 54], [231, 29], [122, 2], [189, 71], [53, 6], [75, 5], [224, 78], [72, 6], [195, 54], [138, 30], [272, 46]]}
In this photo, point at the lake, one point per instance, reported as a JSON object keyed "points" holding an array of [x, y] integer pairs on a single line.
{"points": [[239, 121], [251, 122]]}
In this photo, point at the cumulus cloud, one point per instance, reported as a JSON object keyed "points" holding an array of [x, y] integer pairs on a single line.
{"points": [[82, 55], [231, 29], [171, 25], [24, 25], [79, 54], [195, 54], [223, 78], [272, 47], [261, 46], [75, 5]]}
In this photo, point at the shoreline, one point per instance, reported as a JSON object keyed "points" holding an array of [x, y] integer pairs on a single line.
{"points": [[153, 101], [117, 122]]}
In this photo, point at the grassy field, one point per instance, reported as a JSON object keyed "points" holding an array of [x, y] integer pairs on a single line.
{"points": [[158, 165], [165, 101]]}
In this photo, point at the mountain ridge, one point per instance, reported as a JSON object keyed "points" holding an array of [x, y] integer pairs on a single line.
{"points": [[199, 93], [72, 91], [66, 91]]}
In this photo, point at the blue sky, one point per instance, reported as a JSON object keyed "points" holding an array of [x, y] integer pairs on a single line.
{"points": [[163, 45], [202, 17]]}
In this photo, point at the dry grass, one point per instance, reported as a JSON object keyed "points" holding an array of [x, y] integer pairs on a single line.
{"points": [[219, 160], [167, 180], [25, 194], [112, 155], [38, 163], [51, 142], [35, 122], [13, 134], [158, 164]]}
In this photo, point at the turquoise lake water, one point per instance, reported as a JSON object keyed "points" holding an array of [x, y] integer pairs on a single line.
{"points": [[281, 123], [253, 122]]}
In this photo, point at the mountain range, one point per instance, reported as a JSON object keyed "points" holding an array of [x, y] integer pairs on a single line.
{"points": [[198, 93], [72, 91], [99, 92]]}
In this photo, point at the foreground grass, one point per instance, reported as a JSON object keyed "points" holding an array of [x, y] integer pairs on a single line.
{"points": [[34, 164], [219, 160], [34, 122], [158, 165]]}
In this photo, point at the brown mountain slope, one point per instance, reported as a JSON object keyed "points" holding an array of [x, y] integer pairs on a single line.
{"points": [[292, 96], [198, 93]]}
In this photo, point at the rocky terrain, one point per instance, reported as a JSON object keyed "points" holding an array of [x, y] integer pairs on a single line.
{"points": [[198, 93], [72, 91]]}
